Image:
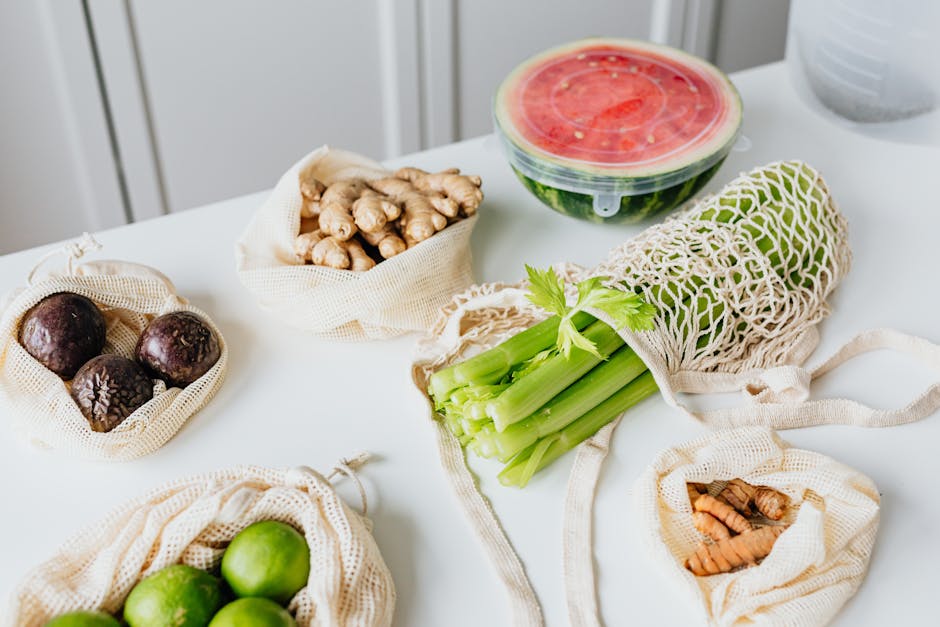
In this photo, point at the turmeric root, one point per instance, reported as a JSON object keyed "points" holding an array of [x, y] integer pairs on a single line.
{"points": [[710, 526], [739, 494], [386, 240], [696, 490], [725, 555], [371, 211], [336, 208], [462, 188], [770, 503], [723, 512]]}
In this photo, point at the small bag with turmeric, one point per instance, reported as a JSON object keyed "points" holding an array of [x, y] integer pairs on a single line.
{"points": [[798, 570]]}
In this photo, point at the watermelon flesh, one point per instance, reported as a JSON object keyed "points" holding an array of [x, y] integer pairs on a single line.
{"points": [[615, 130]]}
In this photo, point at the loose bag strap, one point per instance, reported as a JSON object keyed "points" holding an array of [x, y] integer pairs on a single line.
{"points": [[779, 400], [773, 391], [523, 603]]}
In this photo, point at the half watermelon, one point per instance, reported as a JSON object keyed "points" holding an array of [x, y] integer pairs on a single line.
{"points": [[616, 130]]}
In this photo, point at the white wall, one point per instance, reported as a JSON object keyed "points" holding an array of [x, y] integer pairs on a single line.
{"points": [[53, 183], [174, 104]]}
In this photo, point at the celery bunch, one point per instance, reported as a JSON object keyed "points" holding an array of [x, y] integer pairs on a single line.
{"points": [[540, 393]]}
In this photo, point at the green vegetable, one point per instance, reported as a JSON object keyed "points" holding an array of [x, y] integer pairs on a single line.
{"points": [[537, 395]]}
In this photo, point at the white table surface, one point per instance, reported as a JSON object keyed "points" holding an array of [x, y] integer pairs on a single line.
{"points": [[291, 399]]}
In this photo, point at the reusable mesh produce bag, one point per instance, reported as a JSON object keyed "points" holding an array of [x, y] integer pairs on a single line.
{"points": [[815, 566], [37, 402], [191, 521], [398, 295], [739, 281]]}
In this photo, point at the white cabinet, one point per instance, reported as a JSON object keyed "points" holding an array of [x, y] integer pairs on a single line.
{"points": [[142, 108]]}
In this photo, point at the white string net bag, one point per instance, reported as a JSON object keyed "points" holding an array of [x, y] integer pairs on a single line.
{"points": [[37, 402], [399, 295], [816, 564], [191, 521], [739, 281]]}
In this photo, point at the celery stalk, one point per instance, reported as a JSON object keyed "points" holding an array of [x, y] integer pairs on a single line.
{"points": [[539, 455]]}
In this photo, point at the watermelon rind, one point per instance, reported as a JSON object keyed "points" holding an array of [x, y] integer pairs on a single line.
{"points": [[633, 209]]}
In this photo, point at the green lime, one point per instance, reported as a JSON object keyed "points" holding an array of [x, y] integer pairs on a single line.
{"points": [[177, 596], [267, 559], [253, 612], [84, 618]]}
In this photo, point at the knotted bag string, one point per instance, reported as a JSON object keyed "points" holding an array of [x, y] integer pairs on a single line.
{"points": [[779, 400], [72, 250]]}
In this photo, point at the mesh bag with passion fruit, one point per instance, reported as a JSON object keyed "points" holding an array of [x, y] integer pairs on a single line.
{"points": [[105, 361], [245, 546]]}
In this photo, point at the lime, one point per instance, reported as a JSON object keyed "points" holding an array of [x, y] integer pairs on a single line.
{"points": [[253, 612], [267, 559], [84, 618], [177, 596]]}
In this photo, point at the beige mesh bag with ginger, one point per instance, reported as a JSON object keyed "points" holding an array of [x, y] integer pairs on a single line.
{"points": [[191, 521], [815, 566], [397, 296], [739, 280], [129, 295]]}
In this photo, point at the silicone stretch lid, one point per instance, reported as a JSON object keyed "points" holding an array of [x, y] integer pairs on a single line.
{"points": [[616, 116]]}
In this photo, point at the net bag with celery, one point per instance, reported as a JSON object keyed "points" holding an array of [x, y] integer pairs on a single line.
{"points": [[523, 373]]}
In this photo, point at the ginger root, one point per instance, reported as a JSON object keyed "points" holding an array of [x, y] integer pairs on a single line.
{"points": [[462, 188], [725, 555], [390, 214], [372, 211], [723, 512], [386, 240], [710, 526], [336, 208]]}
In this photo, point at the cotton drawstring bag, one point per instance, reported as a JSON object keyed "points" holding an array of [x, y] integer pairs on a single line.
{"points": [[399, 295], [37, 402], [191, 521], [815, 566], [739, 280]]}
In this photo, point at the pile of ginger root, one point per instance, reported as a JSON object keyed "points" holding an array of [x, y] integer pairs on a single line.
{"points": [[732, 521], [352, 224]]}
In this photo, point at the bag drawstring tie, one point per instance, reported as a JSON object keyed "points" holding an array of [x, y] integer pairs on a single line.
{"points": [[73, 251]]}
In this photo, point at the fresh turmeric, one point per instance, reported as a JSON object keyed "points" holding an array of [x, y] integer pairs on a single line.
{"points": [[710, 526], [695, 490], [770, 503], [723, 512], [741, 494], [725, 555]]}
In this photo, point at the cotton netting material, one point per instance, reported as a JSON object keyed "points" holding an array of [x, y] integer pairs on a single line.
{"points": [[38, 402], [816, 565], [397, 296], [739, 281], [191, 521]]}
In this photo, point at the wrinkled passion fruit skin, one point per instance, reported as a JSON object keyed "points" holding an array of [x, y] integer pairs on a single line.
{"points": [[108, 389], [63, 331], [178, 347]]}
